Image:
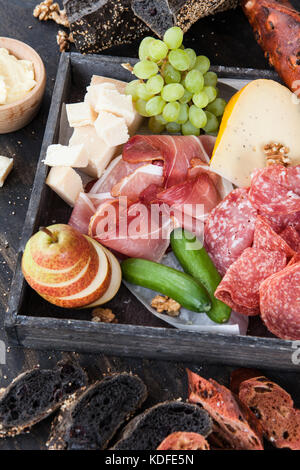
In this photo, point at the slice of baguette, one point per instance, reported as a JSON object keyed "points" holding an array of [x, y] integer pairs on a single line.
{"points": [[275, 410], [147, 430], [90, 420], [35, 394], [234, 426]]}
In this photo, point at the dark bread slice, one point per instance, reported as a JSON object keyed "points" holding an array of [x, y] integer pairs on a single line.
{"points": [[274, 409], [89, 421], [160, 15], [147, 430], [99, 24], [233, 425], [35, 394]]}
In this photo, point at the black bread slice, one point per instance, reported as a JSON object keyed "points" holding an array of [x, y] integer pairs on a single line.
{"points": [[160, 15], [149, 429], [89, 422], [35, 394], [99, 24]]}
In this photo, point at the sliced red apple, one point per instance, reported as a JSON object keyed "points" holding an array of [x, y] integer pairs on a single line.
{"points": [[115, 281], [94, 290]]}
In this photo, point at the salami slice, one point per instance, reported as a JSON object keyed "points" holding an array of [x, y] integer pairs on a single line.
{"points": [[240, 286], [184, 441], [229, 229], [280, 302], [272, 190], [266, 238], [292, 237], [279, 222]]}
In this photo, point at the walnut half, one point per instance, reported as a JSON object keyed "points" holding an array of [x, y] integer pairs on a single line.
{"points": [[164, 304], [104, 315], [276, 153], [47, 10]]}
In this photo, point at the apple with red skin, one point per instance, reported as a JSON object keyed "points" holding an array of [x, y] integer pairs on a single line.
{"points": [[69, 269]]}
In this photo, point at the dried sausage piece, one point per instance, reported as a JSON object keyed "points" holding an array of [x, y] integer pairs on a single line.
{"points": [[266, 238], [292, 237], [229, 229], [272, 190], [240, 286], [280, 302]]}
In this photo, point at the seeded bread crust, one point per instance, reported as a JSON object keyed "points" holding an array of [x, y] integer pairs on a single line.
{"points": [[97, 25], [160, 15], [147, 430], [274, 408], [234, 426], [89, 421], [36, 394]]}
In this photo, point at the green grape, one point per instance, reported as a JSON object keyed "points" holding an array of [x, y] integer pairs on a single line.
{"points": [[212, 123], [173, 127], [179, 59], [131, 89], [211, 93], [183, 114], [202, 64], [155, 126], [142, 92], [186, 97], [155, 106], [171, 111], [155, 84], [200, 99], [217, 107], [197, 116], [173, 37], [170, 74], [210, 79], [172, 92], [188, 129], [194, 81], [192, 56], [160, 119], [158, 50], [144, 47], [145, 69], [140, 106]]}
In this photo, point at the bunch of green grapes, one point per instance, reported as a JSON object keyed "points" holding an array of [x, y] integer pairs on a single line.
{"points": [[175, 88]]}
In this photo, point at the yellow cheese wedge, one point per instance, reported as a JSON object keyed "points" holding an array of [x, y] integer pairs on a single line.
{"points": [[261, 113]]}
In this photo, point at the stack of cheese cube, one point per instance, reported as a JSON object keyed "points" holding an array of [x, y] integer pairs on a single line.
{"points": [[102, 123]]}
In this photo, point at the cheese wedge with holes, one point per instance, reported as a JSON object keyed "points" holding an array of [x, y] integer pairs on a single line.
{"points": [[6, 165], [111, 128], [261, 113], [66, 183], [80, 114], [98, 153], [61, 155]]}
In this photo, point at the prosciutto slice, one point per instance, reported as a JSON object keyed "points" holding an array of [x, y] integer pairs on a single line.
{"points": [[136, 182], [131, 229], [84, 209], [175, 151]]}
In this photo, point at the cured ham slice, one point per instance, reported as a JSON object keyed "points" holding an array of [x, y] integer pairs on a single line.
{"points": [[274, 190], [83, 210], [280, 302], [136, 182], [265, 238], [175, 151], [197, 195], [229, 229], [115, 171], [131, 230], [240, 286]]}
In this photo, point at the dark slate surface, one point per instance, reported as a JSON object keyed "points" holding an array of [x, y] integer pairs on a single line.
{"points": [[227, 39]]}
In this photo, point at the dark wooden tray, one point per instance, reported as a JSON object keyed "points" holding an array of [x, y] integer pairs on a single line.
{"points": [[32, 322]]}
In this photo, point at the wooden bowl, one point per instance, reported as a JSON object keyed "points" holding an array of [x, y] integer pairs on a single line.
{"points": [[16, 115]]}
